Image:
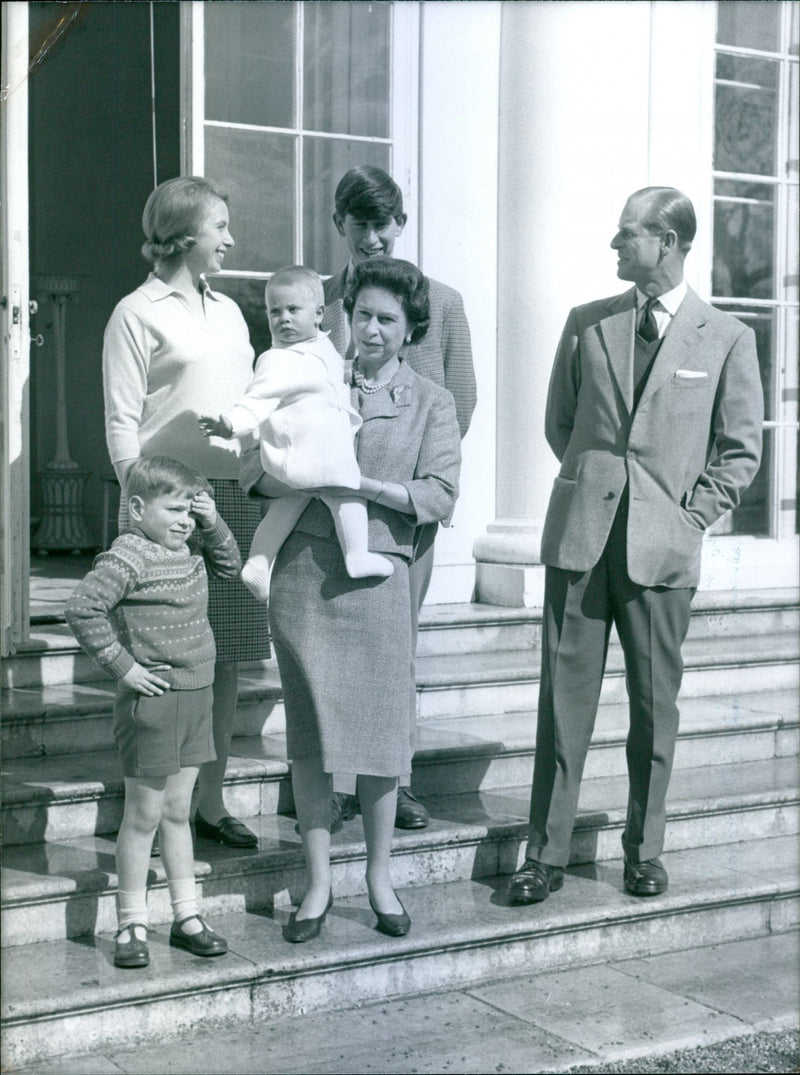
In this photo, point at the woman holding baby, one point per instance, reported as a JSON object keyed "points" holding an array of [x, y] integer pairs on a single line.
{"points": [[344, 644]]}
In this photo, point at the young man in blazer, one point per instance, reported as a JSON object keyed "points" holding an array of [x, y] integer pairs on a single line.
{"points": [[654, 411], [369, 216]]}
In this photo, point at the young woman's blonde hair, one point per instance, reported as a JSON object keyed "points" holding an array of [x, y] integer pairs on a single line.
{"points": [[172, 213]]}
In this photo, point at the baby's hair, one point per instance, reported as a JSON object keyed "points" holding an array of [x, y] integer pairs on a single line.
{"points": [[172, 213], [290, 275], [161, 476]]}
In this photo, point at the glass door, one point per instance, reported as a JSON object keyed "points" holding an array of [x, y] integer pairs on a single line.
{"points": [[283, 98], [755, 269], [14, 314]]}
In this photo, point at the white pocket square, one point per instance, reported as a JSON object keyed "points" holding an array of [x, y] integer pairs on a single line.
{"points": [[690, 374]]}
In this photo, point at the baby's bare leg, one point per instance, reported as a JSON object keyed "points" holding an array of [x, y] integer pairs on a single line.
{"points": [[350, 519], [271, 533]]}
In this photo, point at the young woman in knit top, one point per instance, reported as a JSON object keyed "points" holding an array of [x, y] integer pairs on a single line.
{"points": [[173, 350]]}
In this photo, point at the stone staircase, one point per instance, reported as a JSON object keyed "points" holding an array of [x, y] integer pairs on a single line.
{"points": [[734, 815]]}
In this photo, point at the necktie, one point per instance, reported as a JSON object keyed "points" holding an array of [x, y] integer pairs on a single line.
{"points": [[648, 328]]}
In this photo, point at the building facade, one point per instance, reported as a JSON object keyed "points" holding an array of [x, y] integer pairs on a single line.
{"points": [[516, 130]]}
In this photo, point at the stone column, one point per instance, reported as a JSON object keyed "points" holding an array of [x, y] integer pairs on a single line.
{"points": [[573, 141], [508, 571]]}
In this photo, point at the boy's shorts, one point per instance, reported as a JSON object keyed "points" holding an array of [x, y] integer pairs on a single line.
{"points": [[160, 735]]}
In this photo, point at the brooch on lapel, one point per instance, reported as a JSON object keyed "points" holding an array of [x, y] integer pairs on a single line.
{"points": [[400, 396]]}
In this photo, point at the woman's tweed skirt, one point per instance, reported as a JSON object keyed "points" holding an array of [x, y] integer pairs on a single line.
{"points": [[344, 649], [239, 623]]}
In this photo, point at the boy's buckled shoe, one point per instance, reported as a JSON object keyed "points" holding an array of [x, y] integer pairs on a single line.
{"points": [[132, 953], [204, 943]]}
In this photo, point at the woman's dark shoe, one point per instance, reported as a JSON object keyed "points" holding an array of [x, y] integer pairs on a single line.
{"points": [[393, 925], [306, 929], [204, 943], [132, 953], [534, 881], [228, 830]]}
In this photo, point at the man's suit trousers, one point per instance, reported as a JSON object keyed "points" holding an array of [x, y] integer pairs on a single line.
{"points": [[579, 608]]}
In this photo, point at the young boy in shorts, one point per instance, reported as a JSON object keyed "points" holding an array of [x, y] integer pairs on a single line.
{"points": [[141, 613]]}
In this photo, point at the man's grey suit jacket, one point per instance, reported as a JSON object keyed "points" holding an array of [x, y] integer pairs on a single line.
{"points": [[687, 452]]}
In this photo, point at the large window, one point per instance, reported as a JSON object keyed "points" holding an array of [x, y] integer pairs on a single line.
{"points": [[284, 98], [755, 270]]}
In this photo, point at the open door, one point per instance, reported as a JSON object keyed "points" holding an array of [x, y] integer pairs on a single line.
{"points": [[14, 315]]}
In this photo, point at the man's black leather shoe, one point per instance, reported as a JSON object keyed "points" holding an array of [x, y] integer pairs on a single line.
{"points": [[534, 882], [343, 808], [410, 814], [645, 878], [229, 831]]}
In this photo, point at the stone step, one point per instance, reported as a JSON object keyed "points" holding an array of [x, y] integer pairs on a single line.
{"points": [[63, 797], [478, 628], [67, 888], [65, 996], [693, 999], [53, 656], [64, 718], [472, 753], [508, 681], [67, 718]]}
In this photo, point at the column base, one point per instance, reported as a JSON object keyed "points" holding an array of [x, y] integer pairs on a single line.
{"points": [[513, 585], [508, 570]]}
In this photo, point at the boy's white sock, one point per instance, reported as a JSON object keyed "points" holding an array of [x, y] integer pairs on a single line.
{"points": [[132, 907], [183, 896]]}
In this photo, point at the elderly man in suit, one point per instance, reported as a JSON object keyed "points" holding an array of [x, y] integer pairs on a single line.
{"points": [[369, 216], [654, 411]]}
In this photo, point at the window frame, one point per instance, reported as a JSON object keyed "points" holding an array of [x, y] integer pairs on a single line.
{"points": [[404, 112], [782, 502]]}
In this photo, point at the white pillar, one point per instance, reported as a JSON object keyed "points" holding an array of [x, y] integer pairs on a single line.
{"points": [[573, 144]]}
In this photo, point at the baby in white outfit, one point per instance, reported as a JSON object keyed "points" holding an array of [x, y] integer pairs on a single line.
{"points": [[299, 406]]}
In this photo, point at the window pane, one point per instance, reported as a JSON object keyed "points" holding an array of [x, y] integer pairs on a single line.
{"points": [[347, 68], [749, 24], [743, 240], [788, 501], [745, 115], [325, 161], [762, 322], [249, 295], [789, 391], [794, 30], [257, 171], [249, 64], [792, 248], [752, 515], [791, 134]]}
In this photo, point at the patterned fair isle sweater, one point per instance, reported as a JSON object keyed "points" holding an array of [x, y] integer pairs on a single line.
{"points": [[142, 602]]}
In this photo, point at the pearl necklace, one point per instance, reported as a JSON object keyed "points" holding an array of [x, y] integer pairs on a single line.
{"points": [[358, 377]]}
